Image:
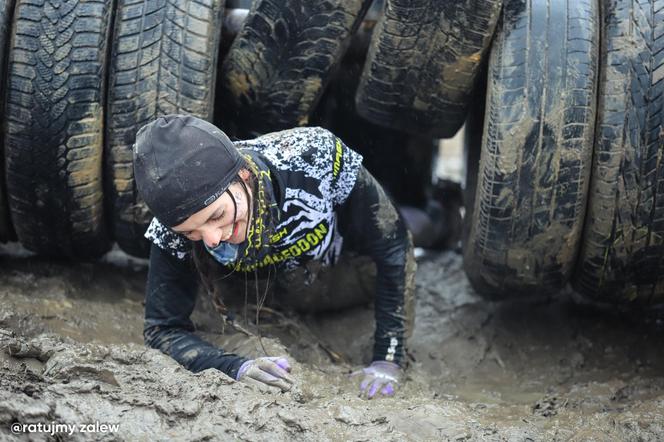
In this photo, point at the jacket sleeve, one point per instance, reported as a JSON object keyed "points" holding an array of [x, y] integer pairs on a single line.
{"points": [[372, 226], [170, 300]]}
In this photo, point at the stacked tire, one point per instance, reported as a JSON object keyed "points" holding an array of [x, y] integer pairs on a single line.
{"points": [[622, 256], [569, 184], [423, 63], [281, 61], [54, 117], [531, 185]]}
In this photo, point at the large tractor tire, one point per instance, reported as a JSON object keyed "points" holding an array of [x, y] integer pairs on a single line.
{"points": [[280, 63], [622, 257], [423, 62], [54, 126], [537, 148], [6, 11], [164, 61]]}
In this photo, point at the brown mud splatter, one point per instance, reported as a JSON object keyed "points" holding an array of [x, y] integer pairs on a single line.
{"points": [[541, 368], [385, 216]]}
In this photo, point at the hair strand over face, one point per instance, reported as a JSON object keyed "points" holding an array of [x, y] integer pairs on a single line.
{"points": [[260, 224]]}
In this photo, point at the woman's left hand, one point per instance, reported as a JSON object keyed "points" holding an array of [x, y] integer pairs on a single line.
{"points": [[380, 377]]}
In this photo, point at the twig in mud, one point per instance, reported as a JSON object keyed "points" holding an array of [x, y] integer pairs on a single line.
{"points": [[240, 328], [493, 354], [334, 356], [269, 310], [499, 360]]}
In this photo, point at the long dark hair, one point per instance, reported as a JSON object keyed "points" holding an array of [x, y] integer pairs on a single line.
{"points": [[258, 230]]}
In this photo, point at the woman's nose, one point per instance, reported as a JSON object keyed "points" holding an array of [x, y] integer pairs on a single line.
{"points": [[211, 237]]}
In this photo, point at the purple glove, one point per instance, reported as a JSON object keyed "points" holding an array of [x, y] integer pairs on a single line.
{"points": [[267, 370], [380, 376]]}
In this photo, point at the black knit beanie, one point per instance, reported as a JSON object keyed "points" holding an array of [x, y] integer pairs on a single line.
{"points": [[181, 165]]}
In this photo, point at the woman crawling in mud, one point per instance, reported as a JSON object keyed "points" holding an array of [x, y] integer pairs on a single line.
{"points": [[292, 201]]}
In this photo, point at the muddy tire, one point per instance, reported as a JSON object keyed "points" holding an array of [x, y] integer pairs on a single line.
{"points": [[422, 64], [622, 257], [54, 126], [472, 148], [536, 152], [280, 63], [164, 61], [6, 11]]}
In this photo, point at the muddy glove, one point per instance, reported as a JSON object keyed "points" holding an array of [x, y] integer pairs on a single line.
{"points": [[272, 371], [380, 376]]}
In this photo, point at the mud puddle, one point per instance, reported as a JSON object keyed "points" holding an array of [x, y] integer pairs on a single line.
{"points": [[545, 369]]}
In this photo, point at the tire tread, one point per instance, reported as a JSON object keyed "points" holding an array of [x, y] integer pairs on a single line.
{"points": [[421, 66], [534, 171], [622, 254], [282, 59], [58, 54]]}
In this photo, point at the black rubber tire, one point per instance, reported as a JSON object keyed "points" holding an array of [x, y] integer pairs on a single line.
{"points": [[423, 62], [280, 63], [472, 147], [164, 61], [622, 257], [54, 126], [537, 148], [6, 11]]}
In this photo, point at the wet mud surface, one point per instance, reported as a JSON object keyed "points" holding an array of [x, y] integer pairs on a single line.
{"points": [[533, 369]]}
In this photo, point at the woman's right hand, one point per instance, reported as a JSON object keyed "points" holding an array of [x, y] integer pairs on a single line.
{"points": [[271, 371]]}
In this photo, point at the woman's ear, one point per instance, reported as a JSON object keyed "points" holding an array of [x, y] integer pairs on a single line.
{"points": [[244, 174]]}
